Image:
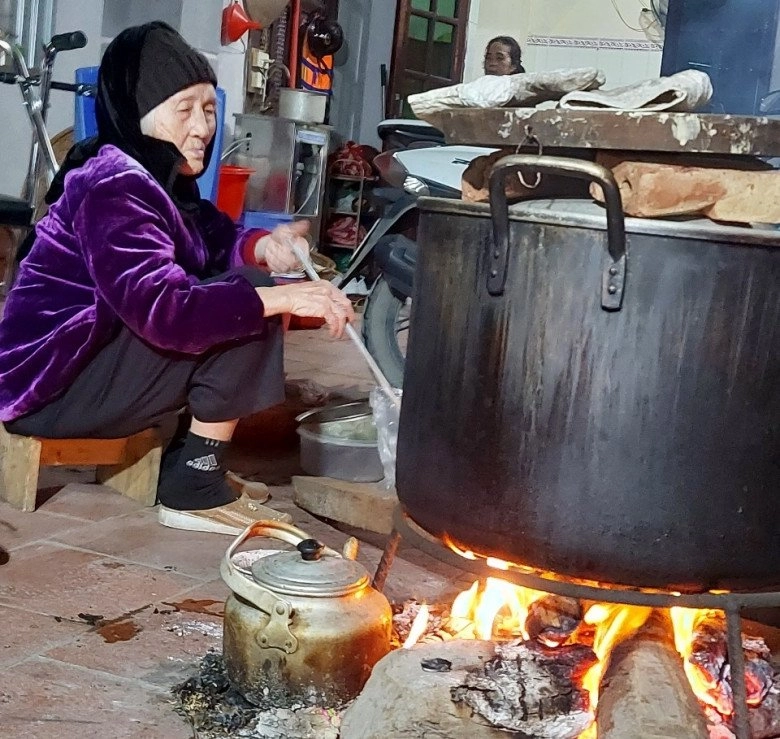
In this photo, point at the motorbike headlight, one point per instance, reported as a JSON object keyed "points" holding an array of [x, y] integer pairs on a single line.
{"points": [[416, 187]]}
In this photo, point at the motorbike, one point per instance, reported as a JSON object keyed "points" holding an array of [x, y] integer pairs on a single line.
{"points": [[423, 167]]}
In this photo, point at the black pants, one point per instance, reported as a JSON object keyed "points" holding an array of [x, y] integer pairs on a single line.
{"points": [[130, 386]]}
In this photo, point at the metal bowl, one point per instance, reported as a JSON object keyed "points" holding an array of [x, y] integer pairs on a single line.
{"points": [[340, 442]]}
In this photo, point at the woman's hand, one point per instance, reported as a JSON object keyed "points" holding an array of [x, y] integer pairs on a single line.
{"points": [[275, 249], [319, 299]]}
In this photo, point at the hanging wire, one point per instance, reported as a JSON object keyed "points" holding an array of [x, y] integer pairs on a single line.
{"points": [[620, 15]]}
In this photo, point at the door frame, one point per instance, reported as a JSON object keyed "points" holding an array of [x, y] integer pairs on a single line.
{"points": [[398, 71]]}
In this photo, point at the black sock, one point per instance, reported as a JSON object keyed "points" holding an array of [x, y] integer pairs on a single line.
{"points": [[191, 475]]}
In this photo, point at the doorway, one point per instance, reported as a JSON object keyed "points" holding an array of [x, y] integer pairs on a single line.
{"points": [[428, 50]]}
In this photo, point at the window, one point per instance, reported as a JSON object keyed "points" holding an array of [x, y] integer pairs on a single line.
{"points": [[428, 50], [29, 23]]}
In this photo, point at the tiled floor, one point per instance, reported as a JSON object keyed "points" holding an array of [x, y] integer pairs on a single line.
{"points": [[102, 610]]}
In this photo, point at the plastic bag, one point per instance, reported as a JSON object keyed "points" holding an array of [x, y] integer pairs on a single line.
{"points": [[386, 414]]}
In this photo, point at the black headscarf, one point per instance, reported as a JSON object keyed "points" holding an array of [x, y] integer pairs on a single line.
{"points": [[142, 67]]}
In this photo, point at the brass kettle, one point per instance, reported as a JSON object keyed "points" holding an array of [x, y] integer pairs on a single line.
{"points": [[302, 625]]}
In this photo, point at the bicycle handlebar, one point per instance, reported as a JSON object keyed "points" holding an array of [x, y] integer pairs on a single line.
{"points": [[82, 89], [8, 78], [68, 41]]}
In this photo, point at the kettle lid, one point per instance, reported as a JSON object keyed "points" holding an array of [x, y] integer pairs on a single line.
{"points": [[306, 572]]}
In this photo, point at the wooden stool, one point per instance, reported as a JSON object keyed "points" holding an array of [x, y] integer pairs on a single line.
{"points": [[130, 465]]}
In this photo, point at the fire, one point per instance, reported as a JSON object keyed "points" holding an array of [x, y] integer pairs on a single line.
{"points": [[483, 605], [494, 609], [706, 686], [613, 623]]}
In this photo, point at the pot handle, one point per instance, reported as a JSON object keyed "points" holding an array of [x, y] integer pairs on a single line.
{"points": [[614, 277]]}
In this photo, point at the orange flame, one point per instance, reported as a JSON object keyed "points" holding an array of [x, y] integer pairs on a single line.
{"points": [[499, 607], [483, 606], [614, 623], [705, 686]]}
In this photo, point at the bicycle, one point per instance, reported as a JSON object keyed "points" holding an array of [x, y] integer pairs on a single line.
{"points": [[19, 212]]}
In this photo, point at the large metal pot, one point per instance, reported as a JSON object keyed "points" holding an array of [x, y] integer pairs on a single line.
{"points": [[302, 626], [602, 408]]}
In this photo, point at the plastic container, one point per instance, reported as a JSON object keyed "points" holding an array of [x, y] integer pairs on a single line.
{"points": [[231, 190]]}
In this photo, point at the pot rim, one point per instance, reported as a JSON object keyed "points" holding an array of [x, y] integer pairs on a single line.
{"points": [[579, 212], [340, 412]]}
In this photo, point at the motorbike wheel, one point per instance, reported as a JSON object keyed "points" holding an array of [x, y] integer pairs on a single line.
{"points": [[385, 330]]}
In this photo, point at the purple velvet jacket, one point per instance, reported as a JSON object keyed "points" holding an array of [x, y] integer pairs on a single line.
{"points": [[113, 250]]}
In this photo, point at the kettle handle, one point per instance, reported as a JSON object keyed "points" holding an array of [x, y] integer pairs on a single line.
{"points": [[614, 278], [276, 633], [273, 530]]}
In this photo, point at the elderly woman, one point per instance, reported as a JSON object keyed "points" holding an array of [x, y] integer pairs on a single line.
{"points": [[503, 56], [138, 299]]}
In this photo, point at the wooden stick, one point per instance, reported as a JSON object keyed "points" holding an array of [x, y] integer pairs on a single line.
{"points": [[353, 335]]}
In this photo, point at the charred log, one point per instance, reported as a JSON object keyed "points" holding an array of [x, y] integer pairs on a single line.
{"points": [[532, 690], [709, 658], [765, 718], [553, 619]]}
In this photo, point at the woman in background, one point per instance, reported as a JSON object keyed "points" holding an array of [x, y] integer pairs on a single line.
{"points": [[503, 55]]}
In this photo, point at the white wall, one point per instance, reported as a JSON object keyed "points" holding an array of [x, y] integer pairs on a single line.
{"points": [[556, 34], [491, 18], [369, 27], [200, 25]]}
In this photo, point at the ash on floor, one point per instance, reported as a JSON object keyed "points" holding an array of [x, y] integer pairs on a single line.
{"points": [[215, 710]]}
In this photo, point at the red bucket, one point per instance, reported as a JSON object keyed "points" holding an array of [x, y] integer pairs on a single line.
{"points": [[231, 189]]}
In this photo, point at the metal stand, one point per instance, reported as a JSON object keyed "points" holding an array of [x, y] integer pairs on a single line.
{"points": [[388, 556], [732, 604]]}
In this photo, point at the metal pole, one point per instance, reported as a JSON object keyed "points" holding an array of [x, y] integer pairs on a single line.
{"points": [[382, 381], [737, 667]]}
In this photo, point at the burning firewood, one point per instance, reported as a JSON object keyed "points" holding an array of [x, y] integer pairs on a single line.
{"points": [[765, 718], [709, 669], [553, 619], [645, 685], [404, 617], [708, 658], [529, 688]]}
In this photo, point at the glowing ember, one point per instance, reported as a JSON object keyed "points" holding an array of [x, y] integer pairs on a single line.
{"points": [[497, 564]]}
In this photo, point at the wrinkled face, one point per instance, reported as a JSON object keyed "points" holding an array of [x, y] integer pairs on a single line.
{"points": [[498, 59], [188, 120]]}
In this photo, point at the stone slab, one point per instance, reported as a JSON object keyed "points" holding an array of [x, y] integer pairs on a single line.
{"points": [[363, 505], [629, 130], [400, 699]]}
